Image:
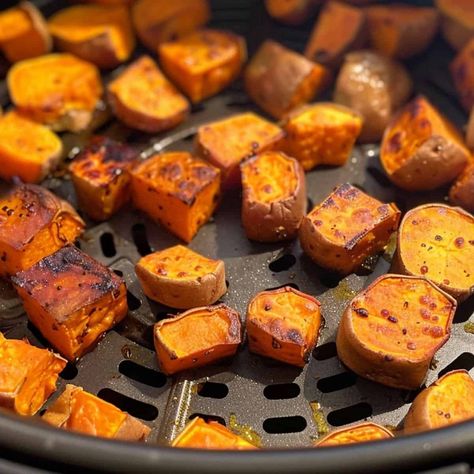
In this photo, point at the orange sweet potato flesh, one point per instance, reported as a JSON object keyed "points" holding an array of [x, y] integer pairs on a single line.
{"points": [[198, 434], [390, 332], [142, 98], [101, 178], [421, 150], [181, 278], [437, 242], [446, 401], [203, 63], [291, 12], [28, 375], [72, 299], [284, 324], [197, 337], [457, 21], [462, 191], [462, 72], [355, 434], [28, 149], [186, 188], [34, 223], [346, 228]]}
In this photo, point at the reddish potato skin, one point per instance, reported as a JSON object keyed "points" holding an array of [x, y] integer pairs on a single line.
{"points": [[462, 73], [462, 191], [292, 12], [470, 131]]}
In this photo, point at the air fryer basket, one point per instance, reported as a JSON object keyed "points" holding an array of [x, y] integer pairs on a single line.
{"points": [[283, 406]]}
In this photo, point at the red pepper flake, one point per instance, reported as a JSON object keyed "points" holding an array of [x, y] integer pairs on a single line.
{"points": [[425, 299], [162, 271], [425, 314], [435, 319], [267, 307], [318, 223], [404, 331], [385, 312], [362, 312], [436, 331], [459, 242], [423, 269], [411, 346], [433, 305], [392, 319], [181, 274]]}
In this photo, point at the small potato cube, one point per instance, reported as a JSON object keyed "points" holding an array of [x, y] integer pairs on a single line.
{"points": [[355, 434], [321, 134], [34, 223], [462, 191], [177, 190], [197, 337], [101, 178], [346, 228], [462, 71], [284, 324], [203, 63], [72, 299], [278, 79], [28, 375], [457, 21], [181, 278]]}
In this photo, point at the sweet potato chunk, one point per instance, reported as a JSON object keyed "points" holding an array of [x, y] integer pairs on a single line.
{"points": [[321, 134], [462, 191], [101, 178], [203, 63], [177, 190], [278, 79], [100, 34], [197, 337], [59, 90], [346, 228], [142, 98], [421, 149], [157, 21], [273, 198], [291, 12], [462, 71], [390, 332], [226, 143], [437, 242], [355, 434], [72, 299], [28, 149], [284, 324], [28, 375], [34, 223], [446, 401], [457, 21], [181, 278]]}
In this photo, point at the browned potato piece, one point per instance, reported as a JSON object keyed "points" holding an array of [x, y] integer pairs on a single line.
{"points": [[355, 434], [346, 228], [273, 198], [375, 87], [462, 191], [291, 12], [457, 21], [470, 131], [462, 72]]}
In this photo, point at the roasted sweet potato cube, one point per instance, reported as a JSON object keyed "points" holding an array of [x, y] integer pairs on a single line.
{"points": [[462, 191], [34, 223], [101, 178], [273, 197], [28, 375], [181, 278], [203, 63], [355, 434], [197, 337], [177, 190], [390, 331], [437, 242], [421, 150], [321, 134], [457, 21], [346, 228], [278, 79], [142, 98], [462, 71], [72, 299], [28, 149], [291, 12], [284, 324]]}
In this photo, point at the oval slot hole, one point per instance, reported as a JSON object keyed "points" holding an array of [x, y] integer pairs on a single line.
{"points": [[326, 351], [287, 424], [141, 410], [140, 239], [133, 302], [281, 391], [463, 361], [337, 382], [107, 244], [283, 263], [212, 390], [208, 418], [347, 415], [69, 372], [141, 374]]}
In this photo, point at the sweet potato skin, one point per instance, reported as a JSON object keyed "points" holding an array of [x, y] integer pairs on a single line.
{"points": [[457, 21], [462, 72], [355, 434], [290, 12], [462, 191]]}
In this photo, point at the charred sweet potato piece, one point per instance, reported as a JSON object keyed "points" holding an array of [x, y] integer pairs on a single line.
{"points": [[457, 21], [291, 12], [273, 198], [28, 375], [446, 401], [72, 299], [421, 149], [321, 134], [197, 337], [203, 63], [177, 190], [462, 71], [142, 98], [390, 332], [101, 178], [34, 223], [338, 29], [355, 434], [28, 149], [157, 21], [226, 143], [283, 324], [437, 242], [278, 79], [181, 278], [346, 228], [100, 34], [199, 434], [375, 87], [59, 90], [462, 191]]}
